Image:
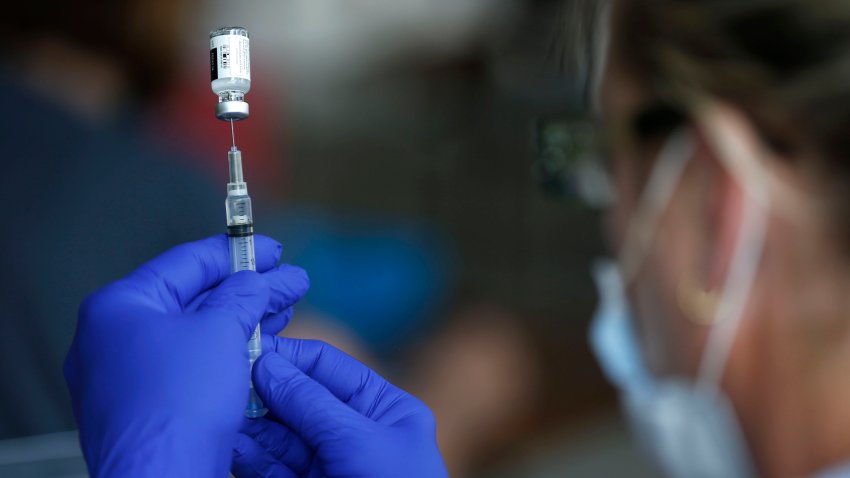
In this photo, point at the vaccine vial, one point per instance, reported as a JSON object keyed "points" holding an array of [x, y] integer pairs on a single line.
{"points": [[230, 71]]}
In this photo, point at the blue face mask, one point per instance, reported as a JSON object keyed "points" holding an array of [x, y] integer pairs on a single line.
{"points": [[688, 428], [686, 424]]}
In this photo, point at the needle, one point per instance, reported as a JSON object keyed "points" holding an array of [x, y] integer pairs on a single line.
{"points": [[233, 135]]}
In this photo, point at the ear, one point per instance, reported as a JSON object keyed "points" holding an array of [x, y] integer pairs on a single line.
{"points": [[725, 145]]}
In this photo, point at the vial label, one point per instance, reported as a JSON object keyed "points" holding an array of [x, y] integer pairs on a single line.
{"points": [[230, 57]]}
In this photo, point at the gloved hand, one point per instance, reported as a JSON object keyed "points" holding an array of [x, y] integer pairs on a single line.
{"points": [[331, 416], [158, 370]]}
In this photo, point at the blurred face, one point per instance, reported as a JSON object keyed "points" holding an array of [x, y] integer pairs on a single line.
{"points": [[745, 227], [677, 264]]}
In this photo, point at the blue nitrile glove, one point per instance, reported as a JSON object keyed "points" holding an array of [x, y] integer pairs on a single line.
{"points": [[158, 370], [331, 416]]}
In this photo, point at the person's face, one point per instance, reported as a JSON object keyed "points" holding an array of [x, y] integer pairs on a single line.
{"points": [[672, 344]]}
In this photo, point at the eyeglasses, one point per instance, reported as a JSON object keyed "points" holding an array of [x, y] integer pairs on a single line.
{"points": [[568, 161], [572, 157]]}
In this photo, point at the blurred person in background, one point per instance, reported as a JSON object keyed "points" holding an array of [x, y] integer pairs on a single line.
{"points": [[727, 131], [92, 195]]}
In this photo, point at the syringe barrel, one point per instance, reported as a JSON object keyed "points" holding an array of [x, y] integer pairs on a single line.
{"points": [[240, 233], [242, 257]]}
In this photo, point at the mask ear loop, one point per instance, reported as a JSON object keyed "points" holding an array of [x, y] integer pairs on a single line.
{"points": [[654, 200], [745, 259]]}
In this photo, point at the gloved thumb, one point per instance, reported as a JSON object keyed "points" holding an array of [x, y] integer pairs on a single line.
{"points": [[242, 297], [301, 403]]}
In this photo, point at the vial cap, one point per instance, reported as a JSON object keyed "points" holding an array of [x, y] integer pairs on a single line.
{"points": [[231, 110]]}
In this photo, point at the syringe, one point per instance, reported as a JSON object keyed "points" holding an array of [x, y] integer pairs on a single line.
{"points": [[230, 68], [240, 232]]}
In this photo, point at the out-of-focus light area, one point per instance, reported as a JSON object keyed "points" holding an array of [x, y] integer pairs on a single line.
{"points": [[389, 148]]}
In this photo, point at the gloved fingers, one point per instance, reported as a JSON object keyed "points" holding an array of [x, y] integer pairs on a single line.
{"points": [[301, 403], [287, 285], [280, 442], [275, 323], [267, 252], [345, 377], [250, 459], [184, 271], [197, 301], [242, 297]]}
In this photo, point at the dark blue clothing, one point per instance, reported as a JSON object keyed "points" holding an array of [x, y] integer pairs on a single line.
{"points": [[82, 206]]}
